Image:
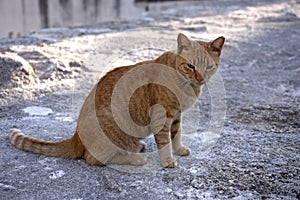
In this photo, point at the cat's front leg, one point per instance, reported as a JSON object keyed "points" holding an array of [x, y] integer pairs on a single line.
{"points": [[163, 141], [178, 148]]}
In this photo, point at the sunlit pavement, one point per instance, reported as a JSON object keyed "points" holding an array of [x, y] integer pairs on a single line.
{"points": [[257, 155]]}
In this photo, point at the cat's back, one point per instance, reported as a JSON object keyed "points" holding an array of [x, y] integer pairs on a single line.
{"points": [[107, 83]]}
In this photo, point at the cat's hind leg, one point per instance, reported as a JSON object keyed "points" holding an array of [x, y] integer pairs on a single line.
{"points": [[91, 160], [128, 159]]}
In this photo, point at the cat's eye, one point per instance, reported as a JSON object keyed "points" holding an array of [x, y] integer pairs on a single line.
{"points": [[209, 67], [191, 66]]}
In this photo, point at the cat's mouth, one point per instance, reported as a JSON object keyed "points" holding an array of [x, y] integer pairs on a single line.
{"points": [[197, 83]]}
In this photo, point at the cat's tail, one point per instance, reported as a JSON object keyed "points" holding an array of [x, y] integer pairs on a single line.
{"points": [[69, 148]]}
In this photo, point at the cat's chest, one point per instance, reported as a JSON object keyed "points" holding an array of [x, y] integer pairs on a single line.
{"points": [[187, 97], [187, 103]]}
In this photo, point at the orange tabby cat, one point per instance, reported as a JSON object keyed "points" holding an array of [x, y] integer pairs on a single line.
{"points": [[101, 138]]}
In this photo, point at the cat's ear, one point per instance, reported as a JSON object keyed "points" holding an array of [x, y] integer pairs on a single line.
{"points": [[217, 45], [183, 43]]}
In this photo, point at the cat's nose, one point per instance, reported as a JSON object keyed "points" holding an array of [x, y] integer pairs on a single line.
{"points": [[199, 78]]}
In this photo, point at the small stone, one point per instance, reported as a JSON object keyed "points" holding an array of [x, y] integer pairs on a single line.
{"points": [[178, 194]]}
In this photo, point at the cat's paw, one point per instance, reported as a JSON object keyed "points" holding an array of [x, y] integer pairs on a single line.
{"points": [[169, 162], [182, 151], [138, 160]]}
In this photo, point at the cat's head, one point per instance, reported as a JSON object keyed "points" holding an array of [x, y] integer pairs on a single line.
{"points": [[200, 59]]}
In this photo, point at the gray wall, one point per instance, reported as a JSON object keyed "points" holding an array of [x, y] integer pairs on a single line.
{"points": [[24, 16]]}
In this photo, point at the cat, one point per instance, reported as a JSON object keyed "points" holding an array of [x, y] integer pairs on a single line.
{"points": [[99, 137]]}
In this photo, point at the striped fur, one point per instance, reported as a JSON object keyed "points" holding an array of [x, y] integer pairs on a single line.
{"points": [[196, 61], [70, 148]]}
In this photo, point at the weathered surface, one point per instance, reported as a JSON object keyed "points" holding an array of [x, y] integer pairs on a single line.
{"points": [[258, 153], [15, 71]]}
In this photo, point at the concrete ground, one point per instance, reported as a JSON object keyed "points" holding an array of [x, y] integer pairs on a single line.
{"points": [[256, 154]]}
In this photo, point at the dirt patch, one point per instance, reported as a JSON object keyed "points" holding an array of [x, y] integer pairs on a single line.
{"points": [[274, 118], [15, 71]]}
